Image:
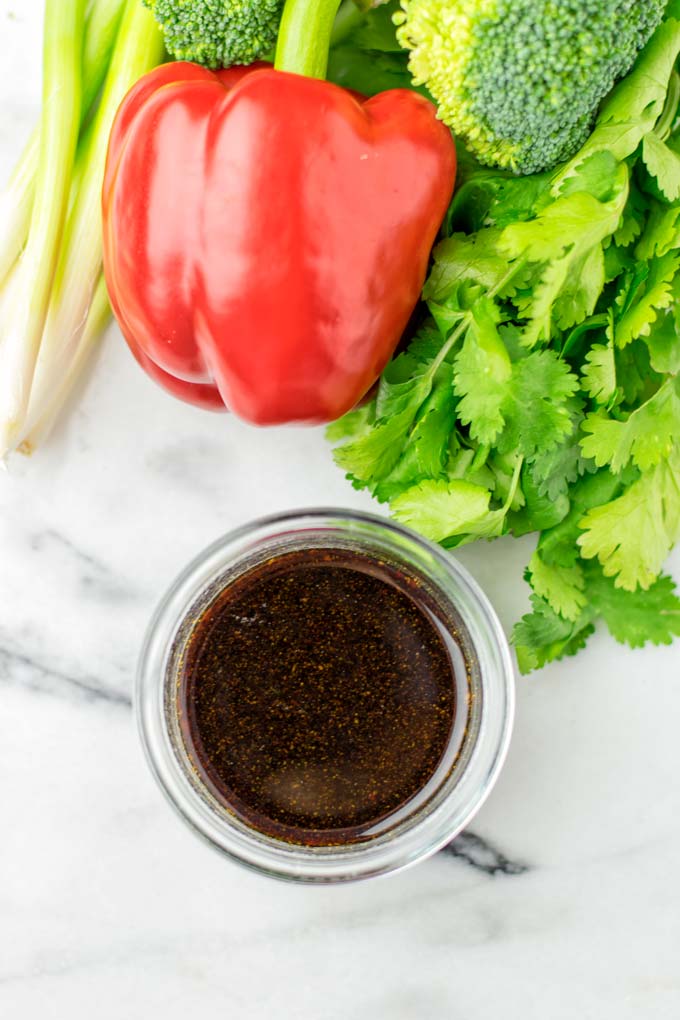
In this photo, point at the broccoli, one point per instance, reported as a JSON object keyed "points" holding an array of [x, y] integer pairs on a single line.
{"points": [[520, 81], [218, 33]]}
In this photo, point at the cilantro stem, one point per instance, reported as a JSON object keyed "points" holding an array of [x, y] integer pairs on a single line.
{"points": [[594, 322], [516, 267], [466, 321], [513, 484], [663, 126], [480, 458]]}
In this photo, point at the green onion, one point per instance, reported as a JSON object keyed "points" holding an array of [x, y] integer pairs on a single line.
{"points": [[16, 201], [54, 300], [65, 342], [25, 308], [45, 414]]}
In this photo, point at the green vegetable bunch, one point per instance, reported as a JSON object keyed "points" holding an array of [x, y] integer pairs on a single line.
{"points": [[520, 80], [543, 393], [218, 33], [52, 292]]}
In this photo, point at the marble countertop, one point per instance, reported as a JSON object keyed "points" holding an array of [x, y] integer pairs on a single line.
{"points": [[561, 902]]}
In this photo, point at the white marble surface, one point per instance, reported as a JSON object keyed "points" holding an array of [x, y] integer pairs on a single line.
{"points": [[109, 908]]}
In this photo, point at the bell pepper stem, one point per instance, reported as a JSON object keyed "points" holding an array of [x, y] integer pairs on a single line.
{"points": [[305, 37]]}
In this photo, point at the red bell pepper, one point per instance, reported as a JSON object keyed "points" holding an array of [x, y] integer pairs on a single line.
{"points": [[267, 233]]}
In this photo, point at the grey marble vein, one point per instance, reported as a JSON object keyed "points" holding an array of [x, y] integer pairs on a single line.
{"points": [[96, 576], [17, 667], [481, 855]]}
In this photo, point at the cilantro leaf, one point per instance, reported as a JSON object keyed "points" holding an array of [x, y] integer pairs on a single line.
{"points": [[405, 385], [543, 635], [663, 342], [632, 535], [537, 410], [353, 424], [647, 436], [517, 198], [633, 218], [557, 544], [635, 618], [482, 370], [577, 221], [540, 511], [663, 164], [596, 176], [599, 375], [566, 237], [443, 509], [476, 258], [555, 470], [426, 453], [661, 232], [580, 291], [561, 587], [634, 372], [644, 302]]}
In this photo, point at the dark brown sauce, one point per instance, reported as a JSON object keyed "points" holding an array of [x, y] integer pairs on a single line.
{"points": [[316, 695]]}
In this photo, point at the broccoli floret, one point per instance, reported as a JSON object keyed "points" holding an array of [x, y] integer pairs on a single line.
{"points": [[218, 33], [520, 81]]}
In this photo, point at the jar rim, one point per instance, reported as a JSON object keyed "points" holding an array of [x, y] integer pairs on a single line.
{"points": [[422, 836]]}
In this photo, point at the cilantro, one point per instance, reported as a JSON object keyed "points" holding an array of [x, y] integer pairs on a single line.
{"points": [[663, 344], [482, 373], [476, 258], [662, 163], [442, 510], [565, 239], [556, 469], [633, 219], [543, 635], [561, 587], [405, 385], [599, 374], [634, 618], [661, 232], [536, 409], [540, 511], [558, 540], [632, 535], [544, 396], [642, 302], [647, 436]]}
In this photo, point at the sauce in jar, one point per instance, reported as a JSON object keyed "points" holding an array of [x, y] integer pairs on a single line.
{"points": [[317, 694]]}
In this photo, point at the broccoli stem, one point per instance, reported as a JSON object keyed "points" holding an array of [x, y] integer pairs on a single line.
{"points": [[305, 37]]}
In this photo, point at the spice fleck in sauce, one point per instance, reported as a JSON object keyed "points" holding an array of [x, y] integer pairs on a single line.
{"points": [[316, 696]]}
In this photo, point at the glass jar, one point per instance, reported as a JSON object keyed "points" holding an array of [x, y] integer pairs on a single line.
{"points": [[477, 743]]}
